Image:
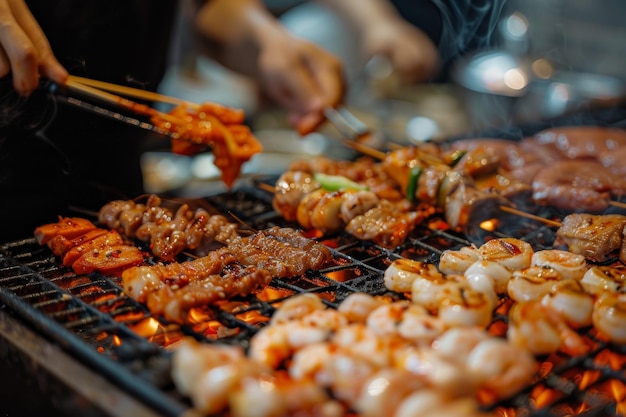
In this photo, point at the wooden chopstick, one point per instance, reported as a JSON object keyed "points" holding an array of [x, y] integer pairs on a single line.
{"points": [[119, 101], [130, 91]]}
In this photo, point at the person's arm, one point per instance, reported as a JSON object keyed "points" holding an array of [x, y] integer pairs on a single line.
{"points": [[299, 75], [383, 31], [25, 52]]}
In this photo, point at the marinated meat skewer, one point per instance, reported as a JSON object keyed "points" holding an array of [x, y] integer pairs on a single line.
{"points": [[245, 265], [169, 233]]}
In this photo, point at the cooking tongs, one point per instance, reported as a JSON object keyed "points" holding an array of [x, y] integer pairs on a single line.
{"points": [[354, 132], [348, 125]]}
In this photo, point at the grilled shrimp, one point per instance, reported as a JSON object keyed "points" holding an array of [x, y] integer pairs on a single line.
{"points": [[597, 281], [461, 305], [569, 265], [297, 307], [359, 341], [511, 253], [570, 301], [274, 344], [400, 275], [480, 282], [384, 390], [357, 306], [532, 283], [345, 375], [503, 368], [434, 403], [309, 361], [191, 359], [407, 320], [609, 315], [459, 341], [540, 330], [442, 372], [273, 397], [498, 274], [457, 261], [426, 289]]}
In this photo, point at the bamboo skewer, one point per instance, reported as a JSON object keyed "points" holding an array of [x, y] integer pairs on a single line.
{"points": [[617, 204], [121, 101], [521, 213], [131, 92], [364, 149]]}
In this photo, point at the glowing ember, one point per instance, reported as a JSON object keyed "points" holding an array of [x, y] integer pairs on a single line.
{"points": [[253, 317], [271, 294], [489, 225], [146, 328], [344, 275], [199, 315], [544, 396], [619, 393]]}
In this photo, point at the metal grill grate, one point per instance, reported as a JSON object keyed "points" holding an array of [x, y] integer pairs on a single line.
{"points": [[90, 316]]}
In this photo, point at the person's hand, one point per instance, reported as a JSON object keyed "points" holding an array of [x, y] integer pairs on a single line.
{"points": [[303, 78], [299, 75], [412, 54], [25, 52]]}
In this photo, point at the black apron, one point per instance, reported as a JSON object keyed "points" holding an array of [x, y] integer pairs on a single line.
{"points": [[54, 157]]}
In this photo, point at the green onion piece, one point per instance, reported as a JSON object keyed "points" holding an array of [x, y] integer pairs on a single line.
{"points": [[411, 186], [337, 182], [456, 157]]}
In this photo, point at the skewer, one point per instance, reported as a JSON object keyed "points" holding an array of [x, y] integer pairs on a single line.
{"points": [[530, 216], [617, 204], [131, 92], [364, 149], [121, 101], [266, 187]]}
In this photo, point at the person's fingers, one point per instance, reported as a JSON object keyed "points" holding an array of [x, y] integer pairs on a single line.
{"points": [[26, 51], [292, 86], [5, 64], [48, 65], [19, 50], [329, 78], [308, 123]]}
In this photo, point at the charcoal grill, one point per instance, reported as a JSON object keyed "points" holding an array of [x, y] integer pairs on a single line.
{"points": [[81, 346]]}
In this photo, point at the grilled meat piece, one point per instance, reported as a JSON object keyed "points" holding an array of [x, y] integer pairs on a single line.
{"points": [[577, 185], [595, 237], [291, 187], [179, 294], [583, 141], [109, 260], [465, 205], [387, 225], [284, 252], [68, 227]]}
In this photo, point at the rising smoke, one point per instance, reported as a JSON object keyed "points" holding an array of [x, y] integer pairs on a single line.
{"points": [[468, 25]]}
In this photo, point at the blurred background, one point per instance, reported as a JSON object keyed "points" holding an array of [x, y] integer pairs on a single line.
{"points": [[549, 58]]}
